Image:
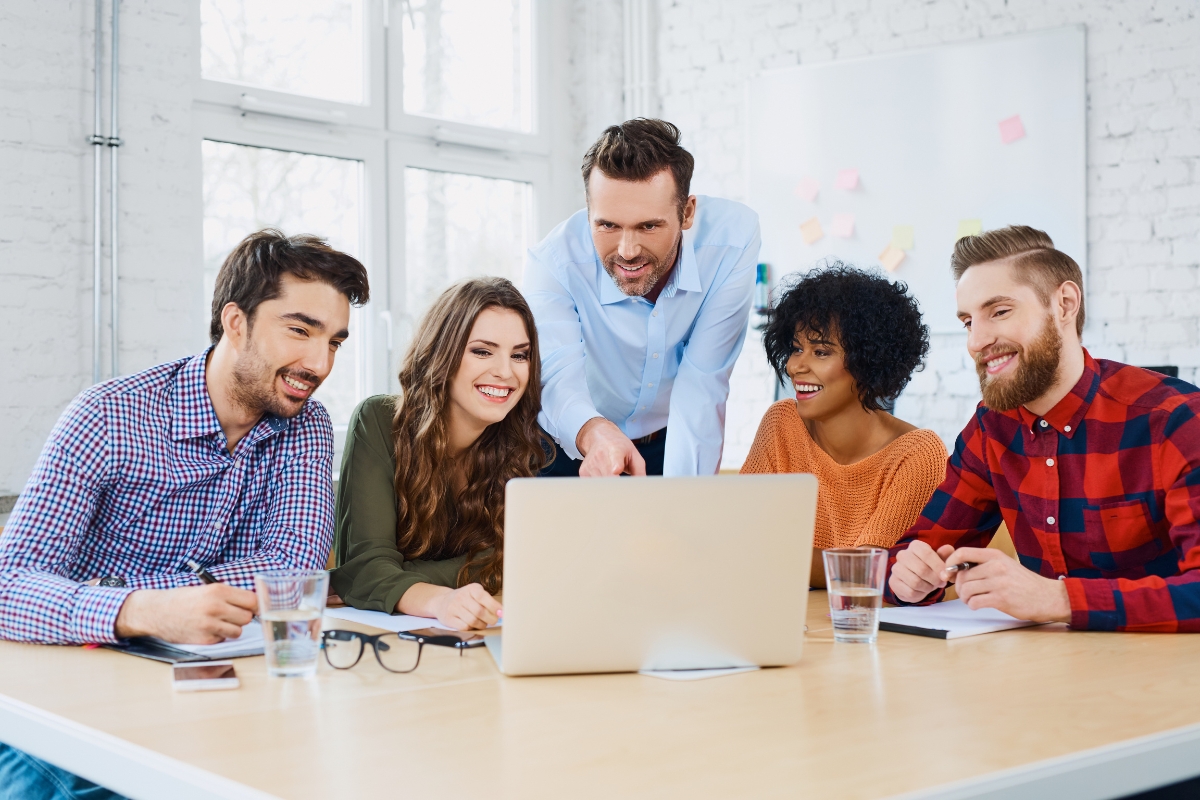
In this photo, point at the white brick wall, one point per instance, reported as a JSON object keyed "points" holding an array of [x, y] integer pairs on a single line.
{"points": [[46, 207], [1143, 84]]}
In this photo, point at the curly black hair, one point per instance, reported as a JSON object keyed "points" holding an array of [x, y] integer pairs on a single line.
{"points": [[876, 322]]}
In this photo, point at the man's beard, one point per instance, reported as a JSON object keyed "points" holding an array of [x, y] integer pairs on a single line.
{"points": [[1036, 369], [254, 385], [640, 287]]}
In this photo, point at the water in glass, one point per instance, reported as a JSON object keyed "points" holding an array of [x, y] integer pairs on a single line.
{"points": [[292, 641], [855, 612]]}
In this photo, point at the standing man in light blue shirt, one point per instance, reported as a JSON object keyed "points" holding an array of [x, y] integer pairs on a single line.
{"points": [[642, 302]]}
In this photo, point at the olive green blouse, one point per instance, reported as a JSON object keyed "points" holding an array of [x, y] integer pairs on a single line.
{"points": [[371, 573]]}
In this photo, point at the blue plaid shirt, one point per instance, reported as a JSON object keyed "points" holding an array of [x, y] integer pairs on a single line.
{"points": [[135, 479]]}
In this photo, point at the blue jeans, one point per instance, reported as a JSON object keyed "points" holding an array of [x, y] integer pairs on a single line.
{"points": [[23, 777]]}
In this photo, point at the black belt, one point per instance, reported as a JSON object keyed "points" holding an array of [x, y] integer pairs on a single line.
{"points": [[650, 437]]}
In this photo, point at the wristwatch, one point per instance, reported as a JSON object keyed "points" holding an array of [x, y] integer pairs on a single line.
{"points": [[112, 580]]}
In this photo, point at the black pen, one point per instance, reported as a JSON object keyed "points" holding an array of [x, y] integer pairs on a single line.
{"points": [[963, 567], [200, 572]]}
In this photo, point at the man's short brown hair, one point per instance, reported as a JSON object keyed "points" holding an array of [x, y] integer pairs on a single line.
{"points": [[639, 149], [1033, 256], [252, 271]]}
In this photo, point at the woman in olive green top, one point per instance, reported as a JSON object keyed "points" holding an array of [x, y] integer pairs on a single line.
{"points": [[420, 504]]}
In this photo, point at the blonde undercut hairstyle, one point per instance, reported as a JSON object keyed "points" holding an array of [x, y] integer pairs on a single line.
{"points": [[1038, 264]]}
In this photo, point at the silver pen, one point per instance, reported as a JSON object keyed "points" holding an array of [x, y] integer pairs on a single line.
{"points": [[963, 567]]}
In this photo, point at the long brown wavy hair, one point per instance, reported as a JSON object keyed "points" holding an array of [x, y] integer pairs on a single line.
{"points": [[431, 522]]}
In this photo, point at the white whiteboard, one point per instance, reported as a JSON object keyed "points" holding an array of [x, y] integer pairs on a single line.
{"points": [[922, 129]]}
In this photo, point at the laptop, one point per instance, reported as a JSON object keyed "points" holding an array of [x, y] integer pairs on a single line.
{"points": [[628, 574]]}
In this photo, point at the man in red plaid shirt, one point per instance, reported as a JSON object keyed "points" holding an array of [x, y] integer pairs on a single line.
{"points": [[1093, 465]]}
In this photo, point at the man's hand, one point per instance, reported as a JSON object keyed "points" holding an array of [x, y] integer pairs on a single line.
{"points": [[188, 615], [1000, 582], [918, 571], [607, 451]]}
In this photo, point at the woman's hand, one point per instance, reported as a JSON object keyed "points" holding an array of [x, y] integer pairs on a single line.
{"points": [[467, 608]]}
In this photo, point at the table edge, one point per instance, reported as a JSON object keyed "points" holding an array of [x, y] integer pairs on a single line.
{"points": [[1109, 771], [105, 759]]}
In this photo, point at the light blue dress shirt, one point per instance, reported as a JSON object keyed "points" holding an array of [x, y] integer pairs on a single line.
{"points": [[645, 365]]}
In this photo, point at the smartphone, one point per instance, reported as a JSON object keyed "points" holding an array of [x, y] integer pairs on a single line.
{"points": [[444, 638], [206, 675]]}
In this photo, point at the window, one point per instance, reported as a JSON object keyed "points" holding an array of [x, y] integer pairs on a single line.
{"points": [[470, 61], [250, 188], [305, 47], [406, 132], [459, 226]]}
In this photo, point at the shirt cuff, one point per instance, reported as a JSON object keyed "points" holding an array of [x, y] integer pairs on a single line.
{"points": [[94, 618], [570, 423], [1093, 604]]}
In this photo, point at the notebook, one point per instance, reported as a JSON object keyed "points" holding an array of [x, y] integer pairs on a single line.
{"points": [[950, 620], [250, 643]]}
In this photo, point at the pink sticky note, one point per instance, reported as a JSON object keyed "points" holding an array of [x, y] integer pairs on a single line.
{"points": [[810, 229], [842, 226], [1012, 129], [891, 257], [808, 188], [847, 179]]}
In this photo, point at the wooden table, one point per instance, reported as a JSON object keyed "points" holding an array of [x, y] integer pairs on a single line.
{"points": [[1039, 712]]}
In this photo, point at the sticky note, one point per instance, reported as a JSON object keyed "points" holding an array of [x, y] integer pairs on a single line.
{"points": [[969, 227], [847, 179], [891, 257], [842, 226], [808, 188], [1012, 129], [902, 237], [811, 230]]}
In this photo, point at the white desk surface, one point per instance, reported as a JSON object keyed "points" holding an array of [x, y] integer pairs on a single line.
{"points": [[1037, 712]]}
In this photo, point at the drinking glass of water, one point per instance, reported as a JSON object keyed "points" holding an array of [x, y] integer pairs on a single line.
{"points": [[290, 605], [854, 577]]}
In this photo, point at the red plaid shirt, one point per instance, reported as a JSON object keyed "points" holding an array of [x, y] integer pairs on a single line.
{"points": [[1103, 492]]}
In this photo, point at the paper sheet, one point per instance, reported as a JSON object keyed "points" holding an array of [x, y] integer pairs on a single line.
{"points": [[693, 674], [969, 227], [1012, 129], [954, 617], [808, 188], [842, 226], [891, 257], [388, 622], [250, 643], [847, 179], [902, 237], [810, 230]]}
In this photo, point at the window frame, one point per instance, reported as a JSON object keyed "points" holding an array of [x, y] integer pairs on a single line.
{"points": [[388, 141]]}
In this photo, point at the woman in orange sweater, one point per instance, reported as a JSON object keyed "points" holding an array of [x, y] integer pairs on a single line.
{"points": [[847, 342]]}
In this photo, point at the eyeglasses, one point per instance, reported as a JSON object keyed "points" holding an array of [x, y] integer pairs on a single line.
{"points": [[343, 649]]}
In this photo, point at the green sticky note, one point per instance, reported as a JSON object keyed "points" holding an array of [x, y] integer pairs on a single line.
{"points": [[969, 227], [902, 237]]}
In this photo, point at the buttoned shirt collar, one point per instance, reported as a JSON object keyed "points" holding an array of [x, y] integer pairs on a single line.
{"points": [[191, 408], [1069, 412], [685, 276]]}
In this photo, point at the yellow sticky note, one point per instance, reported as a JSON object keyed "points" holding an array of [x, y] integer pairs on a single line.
{"points": [[891, 257], [969, 227], [810, 229], [902, 237]]}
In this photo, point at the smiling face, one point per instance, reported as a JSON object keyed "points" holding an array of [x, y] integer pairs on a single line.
{"points": [[817, 367], [1012, 335], [493, 373], [636, 228], [288, 347]]}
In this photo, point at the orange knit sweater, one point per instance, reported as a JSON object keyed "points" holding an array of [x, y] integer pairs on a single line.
{"points": [[871, 502]]}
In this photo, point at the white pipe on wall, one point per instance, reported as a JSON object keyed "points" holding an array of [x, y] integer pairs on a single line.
{"points": [[98, 141], [114, 142]]}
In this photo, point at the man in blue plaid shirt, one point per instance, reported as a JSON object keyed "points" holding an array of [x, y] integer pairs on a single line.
{"points": [[219, 458]]}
